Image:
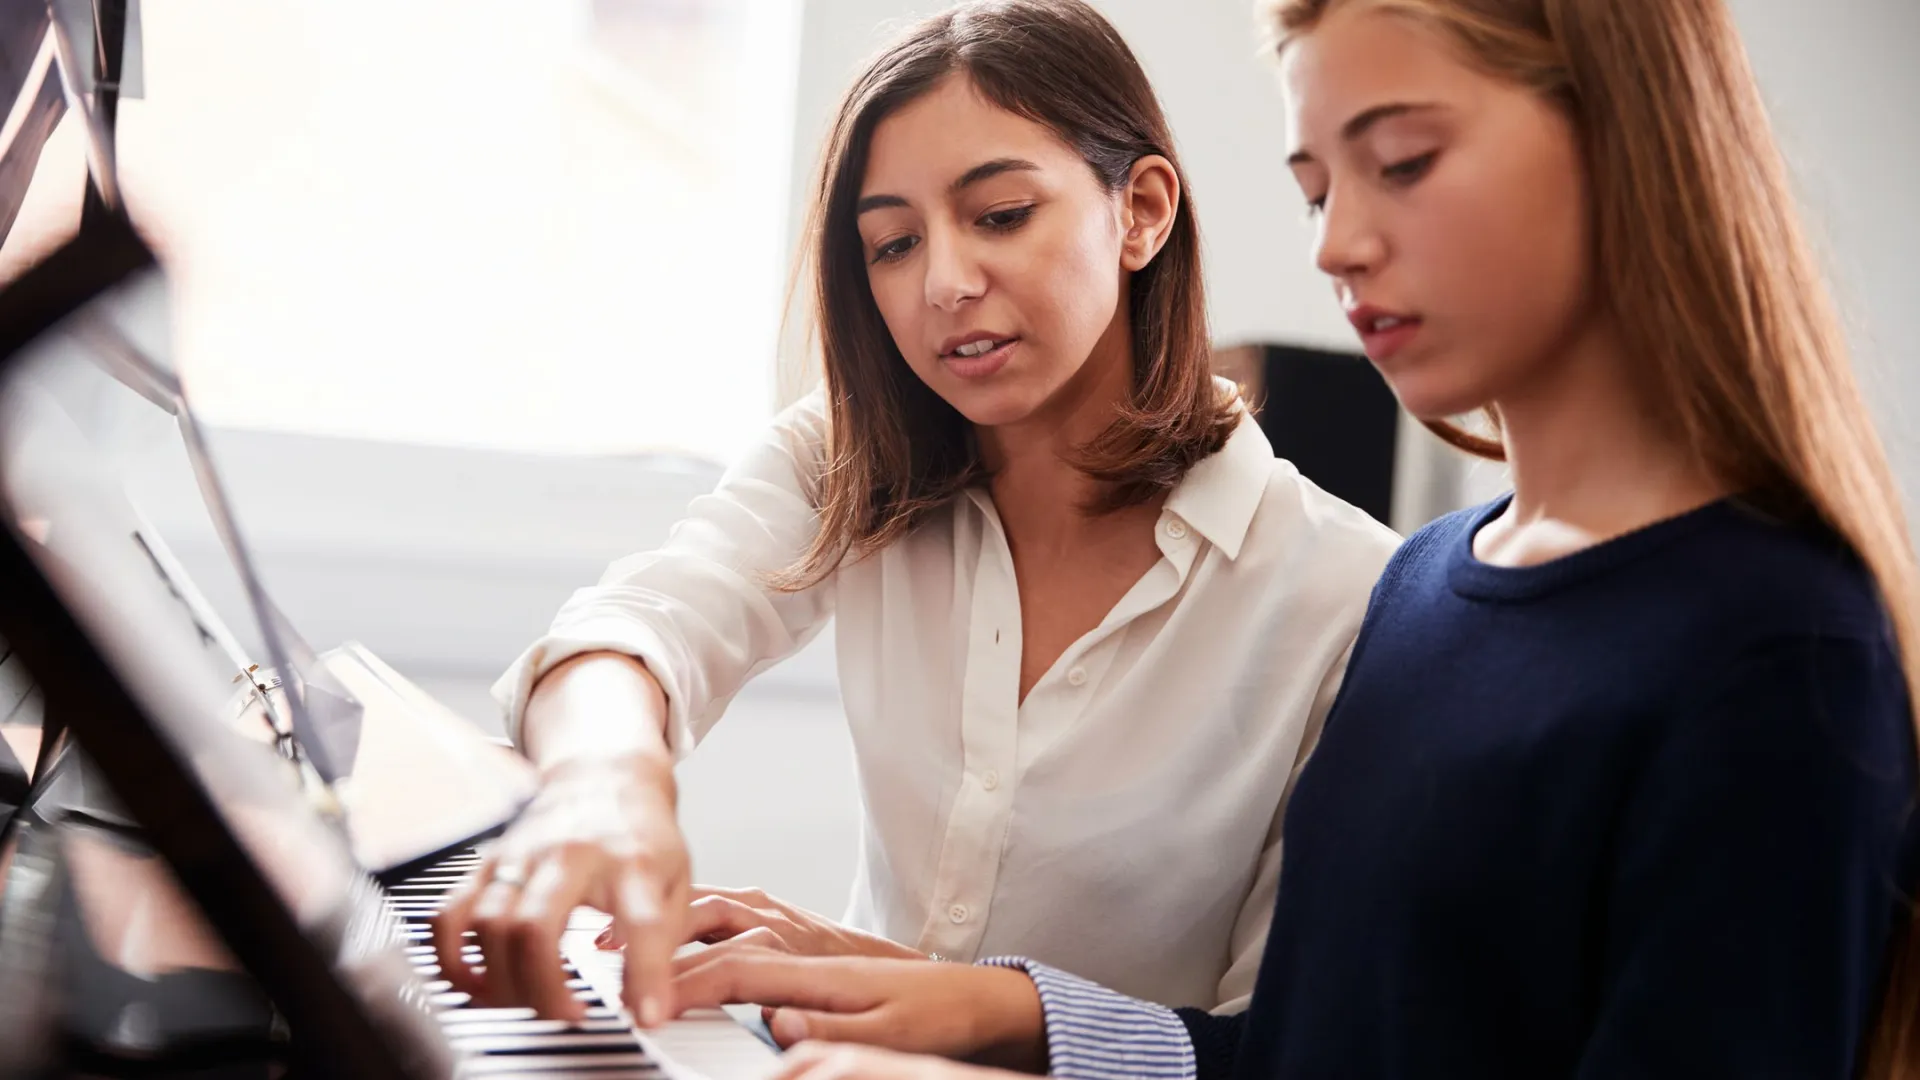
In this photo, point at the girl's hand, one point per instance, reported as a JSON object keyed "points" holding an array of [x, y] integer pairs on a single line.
{"points": [[985, 1014], [828, 1061], [726, 919]]}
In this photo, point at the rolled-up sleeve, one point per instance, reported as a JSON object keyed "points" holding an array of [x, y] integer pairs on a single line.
{"points": [[1094, 1033], [699, 611]]}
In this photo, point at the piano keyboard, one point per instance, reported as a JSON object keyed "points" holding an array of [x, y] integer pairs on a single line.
{"points": [[709, 1043], [499, 1042]]}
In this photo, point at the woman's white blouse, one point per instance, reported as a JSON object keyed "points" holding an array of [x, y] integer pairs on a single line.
{"points": [[1123, 822]]}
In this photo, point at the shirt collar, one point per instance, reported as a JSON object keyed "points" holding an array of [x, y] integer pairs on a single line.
{"points": [[1219, 495]]}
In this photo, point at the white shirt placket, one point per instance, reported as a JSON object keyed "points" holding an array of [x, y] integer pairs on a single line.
{"points": [[989, 745], [990, 721]]}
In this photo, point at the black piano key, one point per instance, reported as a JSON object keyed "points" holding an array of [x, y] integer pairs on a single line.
{"points": [[617, 1042], [606, 1025], [609, 1066], [469, 946]]}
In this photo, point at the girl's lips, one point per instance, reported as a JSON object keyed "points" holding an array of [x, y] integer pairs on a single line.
{"points": [[1382, 344]]}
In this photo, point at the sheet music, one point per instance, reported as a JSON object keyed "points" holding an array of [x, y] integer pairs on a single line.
{"points": [[324, 717]]}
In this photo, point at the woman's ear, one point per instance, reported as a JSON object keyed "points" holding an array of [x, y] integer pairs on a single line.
{"points": [[1149, 204]]}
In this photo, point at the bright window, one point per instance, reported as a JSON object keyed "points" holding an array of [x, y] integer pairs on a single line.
{"points": [[555, 225]]}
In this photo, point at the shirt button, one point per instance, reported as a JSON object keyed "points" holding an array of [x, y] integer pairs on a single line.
{"points": [[1176, 528], [1077, 677], [958, 913], [990, 780]]}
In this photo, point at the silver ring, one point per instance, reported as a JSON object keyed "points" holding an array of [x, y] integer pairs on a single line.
{"points": [[510, 875]]}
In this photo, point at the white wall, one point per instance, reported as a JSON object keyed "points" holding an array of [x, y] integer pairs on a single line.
{"points": [[1843, 83]]}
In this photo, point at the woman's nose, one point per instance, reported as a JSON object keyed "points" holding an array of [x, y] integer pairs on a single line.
{"points": [[953, 275]]}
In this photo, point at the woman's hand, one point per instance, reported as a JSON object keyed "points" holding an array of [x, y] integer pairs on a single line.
{"points": [[828, 1061], [726, 919], [986, 1014], [601, 833]]}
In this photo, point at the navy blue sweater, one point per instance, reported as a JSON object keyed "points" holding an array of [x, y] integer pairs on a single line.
{"points": [[1638, 812]]}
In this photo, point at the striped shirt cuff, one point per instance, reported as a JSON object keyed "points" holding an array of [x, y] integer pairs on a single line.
{"points": [[1094, 1033]]}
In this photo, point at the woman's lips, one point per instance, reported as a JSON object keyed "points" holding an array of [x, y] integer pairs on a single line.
{"points": [[983, 365]]}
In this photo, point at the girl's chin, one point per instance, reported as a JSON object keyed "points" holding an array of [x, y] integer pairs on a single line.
{"points": [[1429, 402]]}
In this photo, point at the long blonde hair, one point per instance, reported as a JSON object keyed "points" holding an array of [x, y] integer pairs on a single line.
{"points": [[1711, 279]]}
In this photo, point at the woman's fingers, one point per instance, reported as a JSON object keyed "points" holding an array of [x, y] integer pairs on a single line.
{"points": [[600, 833], [641, 913], [450, 928], [760, 938], [714, 917], [711, 917], [492, 927], [758, 899], [539, 918]]}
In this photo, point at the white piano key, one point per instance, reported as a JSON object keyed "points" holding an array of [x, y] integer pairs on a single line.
{"points": [[551, 1044], [704, 1045], [480, 1015]]}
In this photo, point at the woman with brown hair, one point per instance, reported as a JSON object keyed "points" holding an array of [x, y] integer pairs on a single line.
{"points": [[1622, 778], [1085, 621]]}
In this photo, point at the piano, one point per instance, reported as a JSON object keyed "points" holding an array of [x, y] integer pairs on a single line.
{"points": [[220, 864]]}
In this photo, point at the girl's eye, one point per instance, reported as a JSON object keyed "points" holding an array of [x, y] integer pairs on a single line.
{"points": [[1410, 170], [1316, 205]]}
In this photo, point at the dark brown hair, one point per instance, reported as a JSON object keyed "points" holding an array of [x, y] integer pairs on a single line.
{"points": [[896, 451], [1712, 280]]}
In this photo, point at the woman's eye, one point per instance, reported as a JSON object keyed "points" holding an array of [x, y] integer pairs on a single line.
{"points": [[1316, 205], [895, 250], [1008, 219], [1406, 172]]}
